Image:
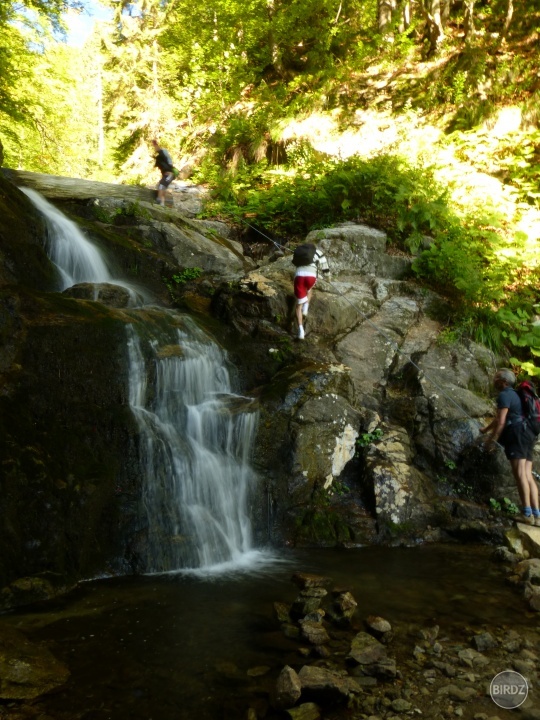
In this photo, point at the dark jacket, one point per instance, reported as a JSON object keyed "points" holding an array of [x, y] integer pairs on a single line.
{"points": [[164, 161]]}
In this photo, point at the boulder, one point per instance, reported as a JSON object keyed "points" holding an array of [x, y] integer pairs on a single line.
{"points": [[288, 689], [27, 670], [366, 650]]}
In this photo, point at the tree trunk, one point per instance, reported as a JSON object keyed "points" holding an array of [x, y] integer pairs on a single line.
{"points": [[405, 16], [468, 19], [100, 123], [385, 10], [508, 19], [435, 30]]}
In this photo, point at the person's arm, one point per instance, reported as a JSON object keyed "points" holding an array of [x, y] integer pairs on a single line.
{"points": [[322, 262], [496, 426]]}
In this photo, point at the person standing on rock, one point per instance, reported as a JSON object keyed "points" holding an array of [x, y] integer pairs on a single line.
{"points": [[308, 261], [165, 164], [512, 432]]}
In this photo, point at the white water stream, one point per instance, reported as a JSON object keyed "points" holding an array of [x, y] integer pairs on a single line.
{"points": [[76, 258], [195, 435]]}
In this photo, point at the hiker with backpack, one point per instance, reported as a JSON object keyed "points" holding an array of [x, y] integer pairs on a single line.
{"points": [[308, 261], [165, 164], [513, 430]]}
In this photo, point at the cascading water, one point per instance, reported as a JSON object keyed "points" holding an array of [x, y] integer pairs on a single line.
{"points": [[76, 258], [196, 436], [196, 439]]}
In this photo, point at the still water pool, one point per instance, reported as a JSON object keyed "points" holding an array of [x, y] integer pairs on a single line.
{"points": [[178, 646]]}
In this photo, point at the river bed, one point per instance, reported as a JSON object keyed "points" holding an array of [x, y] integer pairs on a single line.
{"points": [[174, 647]]}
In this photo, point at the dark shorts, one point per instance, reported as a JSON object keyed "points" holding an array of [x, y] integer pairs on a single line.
{"points": [[166, 180], [518, 442], [302, 285]]}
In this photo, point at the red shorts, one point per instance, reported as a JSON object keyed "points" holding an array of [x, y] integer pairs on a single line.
{"points": [[302, 285]]}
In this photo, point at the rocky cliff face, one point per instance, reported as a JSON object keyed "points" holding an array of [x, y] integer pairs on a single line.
{"points": [[368, 430], [378, 419]]}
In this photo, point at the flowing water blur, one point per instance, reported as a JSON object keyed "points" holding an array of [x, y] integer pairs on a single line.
{"points": [[196, 434], [195, 446], [76, 259]]}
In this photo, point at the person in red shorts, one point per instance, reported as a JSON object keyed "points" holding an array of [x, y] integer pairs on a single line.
{"points": [[304, 281]]}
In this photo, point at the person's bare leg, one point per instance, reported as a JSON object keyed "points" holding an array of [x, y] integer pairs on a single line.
{"points": [[299, 313], [533, 487], [520, 476]]}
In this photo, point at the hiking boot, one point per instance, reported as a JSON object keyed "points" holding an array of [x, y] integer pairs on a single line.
{"points": [[526, 519], [537, 521]]}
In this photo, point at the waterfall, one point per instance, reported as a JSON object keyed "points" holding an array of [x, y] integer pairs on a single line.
{"points": [[76, 258], [195, 434], [196, 439]]}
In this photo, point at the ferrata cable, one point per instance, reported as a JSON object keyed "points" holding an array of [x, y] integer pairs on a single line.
{"points": [[376, 328]]}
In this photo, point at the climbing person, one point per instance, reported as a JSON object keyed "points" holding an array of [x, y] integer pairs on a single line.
{"points": [[308, 261], [510, 429], [165, 164]]}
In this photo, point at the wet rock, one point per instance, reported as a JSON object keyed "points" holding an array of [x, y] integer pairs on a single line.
{"points": [[288, 689], [306, 711], [308, 601], [291, 631], [532, 596], [514, 541], [525, 667], [366, 650], [471, 658], [429, 635], [456, 693], [511, 641], [314, 632], [282, 611], [400, 705], [504, 555], [326, 684], [27, 670], [484, 641], [529, 571], [385, 669], [342, 608], [105, 293], [29, 590], [379, 628], [307, 581]]}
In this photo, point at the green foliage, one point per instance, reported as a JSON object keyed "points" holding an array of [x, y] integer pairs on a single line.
{"points": [[504, 505], [186, 275], [368, 438], [386, 191]]}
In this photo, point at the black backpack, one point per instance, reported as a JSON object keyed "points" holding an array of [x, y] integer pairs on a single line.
{"points": [[304, 254], [530, 404]]}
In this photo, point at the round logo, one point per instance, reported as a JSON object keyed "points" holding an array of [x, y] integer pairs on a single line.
{"points": [[508, 689]]}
